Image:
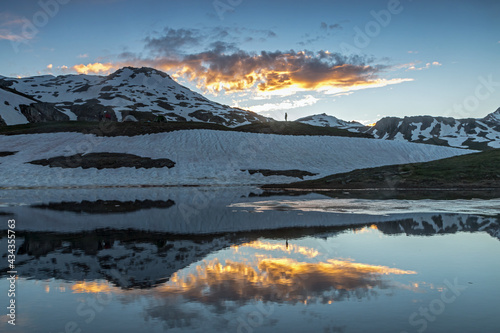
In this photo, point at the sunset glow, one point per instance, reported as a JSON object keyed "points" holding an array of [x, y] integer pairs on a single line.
{"points": [[287, 279], [266, 57]]}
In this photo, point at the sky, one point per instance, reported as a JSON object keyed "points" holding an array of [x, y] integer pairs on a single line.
{"points": [[354, 59]]}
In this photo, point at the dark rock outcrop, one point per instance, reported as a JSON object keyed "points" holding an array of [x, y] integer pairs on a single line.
{"points": [[105, 161], [92, 110], [42, 112]]}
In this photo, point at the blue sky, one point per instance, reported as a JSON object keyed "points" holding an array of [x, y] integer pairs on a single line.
{"points": [[301, 57]]}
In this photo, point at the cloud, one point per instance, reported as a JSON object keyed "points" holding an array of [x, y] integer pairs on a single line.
{"points": [[285, 104], [85, 55], [7, 35], [172, 41], [223, 67], [413, 66], [325, 32], [95, 68], [241, 282], [13, 28], [379, 83], [325, 26], [175, 42], [49, 66], [9, 19], [226, 68]]}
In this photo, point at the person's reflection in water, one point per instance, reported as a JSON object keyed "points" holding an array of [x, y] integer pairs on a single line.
{"points": [[286, 243]]}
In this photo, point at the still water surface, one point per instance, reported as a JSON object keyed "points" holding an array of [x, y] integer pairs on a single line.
{"points": [[241, 260]]}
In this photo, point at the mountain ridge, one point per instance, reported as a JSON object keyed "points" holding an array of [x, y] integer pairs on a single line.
{"points": [[146, 94], [471, 133], [461, 133], [137, 93], [493, 117]]}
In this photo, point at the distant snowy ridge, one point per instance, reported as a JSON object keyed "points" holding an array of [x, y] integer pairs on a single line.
{"points": [[203, 157], [142, 93], [493, 117], [463, 133], [325, 120], [446, 131]]}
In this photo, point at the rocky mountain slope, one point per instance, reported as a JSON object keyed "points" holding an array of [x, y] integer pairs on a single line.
{"points": [[18, 108], [464, 133], [127, 94], [446, 131], [493, 117]]}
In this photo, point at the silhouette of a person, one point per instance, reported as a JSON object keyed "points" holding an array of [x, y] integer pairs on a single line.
{"points": [[286, 116]]}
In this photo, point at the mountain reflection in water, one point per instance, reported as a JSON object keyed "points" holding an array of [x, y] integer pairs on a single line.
{"points": [[301, 262]]}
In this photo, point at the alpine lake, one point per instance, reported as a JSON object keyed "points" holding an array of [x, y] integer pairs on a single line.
{"points": [[240, 259]]}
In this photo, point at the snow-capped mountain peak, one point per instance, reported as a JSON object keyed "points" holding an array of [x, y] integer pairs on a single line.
{"points": [[143, 93]]}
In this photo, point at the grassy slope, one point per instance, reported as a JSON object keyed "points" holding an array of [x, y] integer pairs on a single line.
{"points": [[104, 128], [132, 128], [478, 170], [295, 128]]}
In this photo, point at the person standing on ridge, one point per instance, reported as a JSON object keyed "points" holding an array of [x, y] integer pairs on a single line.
{"points": [[286, 116]]}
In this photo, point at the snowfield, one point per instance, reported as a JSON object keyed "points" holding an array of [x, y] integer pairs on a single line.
{"points": [[203, 157], [10, 110]]}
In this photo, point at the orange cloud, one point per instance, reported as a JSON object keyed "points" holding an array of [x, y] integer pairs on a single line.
{"points": [[267, 73], [278, 279], [95, 68], [227, 69], [90, 287], [306, 251], [297, 72]]}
